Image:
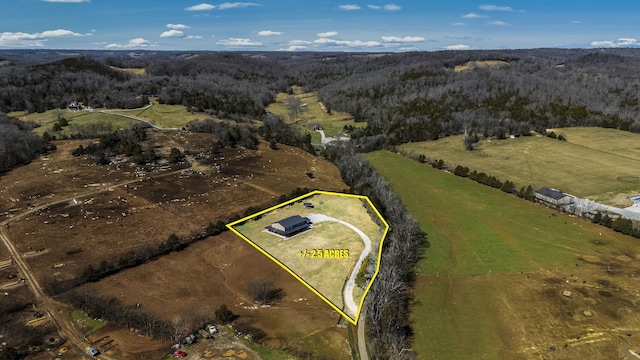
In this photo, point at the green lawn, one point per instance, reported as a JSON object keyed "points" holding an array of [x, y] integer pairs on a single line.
{"points": [[480, 239], [48, 118], [166, 116], [312, 113], [87, 324], [597, 163]]}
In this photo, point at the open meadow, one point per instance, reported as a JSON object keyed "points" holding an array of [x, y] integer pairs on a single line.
{"points": [[326, 275], [67, 215], [504, 278], [163, 115], [312, 112], [597, 163]]}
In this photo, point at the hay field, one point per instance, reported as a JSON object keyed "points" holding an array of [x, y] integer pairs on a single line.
{"points": [[48, 118], [601, 164], [165, 116], [490, 286], [313, 113]]}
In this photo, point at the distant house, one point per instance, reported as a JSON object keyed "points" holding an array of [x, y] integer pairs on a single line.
{"points": [[315, 127], [553, 197], [75, 106], [290, 226]]}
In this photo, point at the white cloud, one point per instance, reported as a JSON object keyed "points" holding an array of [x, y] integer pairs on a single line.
{"points": [[621, 42], [374, 7], [178, 26], [473, 16], [133, 43], [232, 5], [327, 34], [299, 42], [627, 41], [190, 37], [498, 23], [349, 43], [349, 7], [495, 8], [269, 33], [391, 7], [576, 22], [172, 33], [22, 39], [294, 48], [58, 32], [405, 39], [458, 24], [457, 47], [238, 42], [200, 7], [66, 1]]}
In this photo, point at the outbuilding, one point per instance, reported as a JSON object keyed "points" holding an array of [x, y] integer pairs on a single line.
{"points": [[290, 226], [553, 197]]}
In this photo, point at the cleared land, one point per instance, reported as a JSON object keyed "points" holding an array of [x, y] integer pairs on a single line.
{"points": [[312, 112], [165, 116], [81, 214], [326, 275], [491, 284], [49, 118], [470, 65], [601, 164]]}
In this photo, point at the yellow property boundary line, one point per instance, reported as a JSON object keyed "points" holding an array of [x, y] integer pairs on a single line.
{"points": [[319, 192]]}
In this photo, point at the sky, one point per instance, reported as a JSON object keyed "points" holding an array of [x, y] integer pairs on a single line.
{"points": [[317, 25]]}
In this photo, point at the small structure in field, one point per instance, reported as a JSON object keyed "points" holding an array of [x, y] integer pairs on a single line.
{"points": [[290, 226], [553, 197]]}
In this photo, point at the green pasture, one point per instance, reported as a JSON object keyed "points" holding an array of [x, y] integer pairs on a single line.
{"points": [[312, 113], [49, 118], [163, 115], [601, 164], [480, 236], [88, 324]]}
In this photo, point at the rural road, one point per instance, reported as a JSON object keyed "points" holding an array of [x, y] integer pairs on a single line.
{"points": [[351, 283]]}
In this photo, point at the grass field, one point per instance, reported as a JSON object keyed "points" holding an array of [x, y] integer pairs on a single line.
{"points": [[326, 275], [313, 113], [166, 116], [601, 164], [489, 285], [48, 118]]}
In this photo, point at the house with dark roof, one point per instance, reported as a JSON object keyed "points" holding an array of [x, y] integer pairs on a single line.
{"points": [[553, 197], [290, 226]]}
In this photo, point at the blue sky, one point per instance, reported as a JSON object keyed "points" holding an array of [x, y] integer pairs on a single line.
{"points": [[317, 25]]}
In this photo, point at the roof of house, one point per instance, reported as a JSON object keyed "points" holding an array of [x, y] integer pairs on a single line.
{"points": [[552, 193], [292, 221]]}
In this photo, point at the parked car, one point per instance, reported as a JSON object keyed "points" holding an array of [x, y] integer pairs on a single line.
{"points": [[213, 329], [179, 354]]}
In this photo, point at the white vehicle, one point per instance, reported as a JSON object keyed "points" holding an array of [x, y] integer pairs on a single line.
{"points": [[212, 329]]}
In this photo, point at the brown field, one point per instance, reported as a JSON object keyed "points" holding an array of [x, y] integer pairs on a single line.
{"points": [[66, 214], [134, 71], [470, 65]]}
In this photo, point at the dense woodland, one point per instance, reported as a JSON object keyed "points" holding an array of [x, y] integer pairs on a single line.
{"points": [[401, 97]]}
